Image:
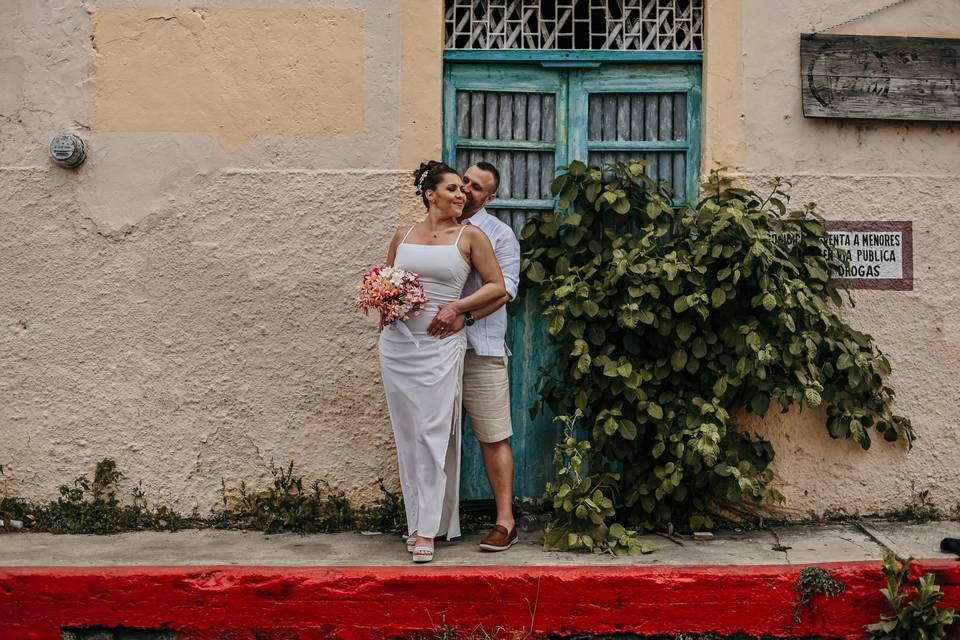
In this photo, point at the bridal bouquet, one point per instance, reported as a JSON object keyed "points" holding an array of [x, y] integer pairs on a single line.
{"points": [[395, 293]]}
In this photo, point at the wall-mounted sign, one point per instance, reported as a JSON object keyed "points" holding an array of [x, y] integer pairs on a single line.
{"points": [[879, 254], [880, 77]]}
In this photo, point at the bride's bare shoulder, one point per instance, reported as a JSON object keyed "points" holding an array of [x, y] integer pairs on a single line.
{"points": [[400, 233]]}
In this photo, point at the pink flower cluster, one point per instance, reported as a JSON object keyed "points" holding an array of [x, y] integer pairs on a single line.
{"points": [[395, 293]]}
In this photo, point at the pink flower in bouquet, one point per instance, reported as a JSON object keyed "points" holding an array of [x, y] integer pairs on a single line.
{"points": [[395, 293]]}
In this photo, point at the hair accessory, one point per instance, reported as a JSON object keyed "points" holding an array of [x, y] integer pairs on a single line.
{"points": [[423, 176]]}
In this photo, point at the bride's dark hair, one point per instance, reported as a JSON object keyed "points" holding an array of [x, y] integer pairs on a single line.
{"points": [[428, 177]]}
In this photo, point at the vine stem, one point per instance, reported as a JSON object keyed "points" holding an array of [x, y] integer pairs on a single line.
{"points": [[776, 187]]}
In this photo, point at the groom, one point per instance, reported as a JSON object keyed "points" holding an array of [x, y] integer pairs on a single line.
{"points": [[486, 389]]}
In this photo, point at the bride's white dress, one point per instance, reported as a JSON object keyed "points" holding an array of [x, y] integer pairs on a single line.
{"points": [[422, 377]]}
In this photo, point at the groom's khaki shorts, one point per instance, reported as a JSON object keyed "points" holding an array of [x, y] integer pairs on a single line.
{"points": [[486, 396]]}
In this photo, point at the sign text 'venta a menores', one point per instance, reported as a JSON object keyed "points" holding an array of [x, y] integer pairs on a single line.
{"points": [[876, 255]]}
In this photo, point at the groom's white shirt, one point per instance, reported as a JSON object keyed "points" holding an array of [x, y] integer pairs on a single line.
{"points": [[487, 336]]}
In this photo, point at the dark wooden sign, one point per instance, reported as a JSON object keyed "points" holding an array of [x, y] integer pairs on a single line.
{"points": [[880, 77]]}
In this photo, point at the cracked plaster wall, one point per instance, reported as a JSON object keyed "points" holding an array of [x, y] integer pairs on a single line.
{"points": [[865, 170], [183, 301], [204, 343]]}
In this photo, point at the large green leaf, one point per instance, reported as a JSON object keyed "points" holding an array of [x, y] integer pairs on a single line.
{"points": [[718, 297], [628, 430], [655, 411], [685, 330], [678, 359], [536, 272]]}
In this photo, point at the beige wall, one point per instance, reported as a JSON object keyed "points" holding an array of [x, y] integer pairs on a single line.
{"points": [[866, 170], [183, 302], [724, 144]]}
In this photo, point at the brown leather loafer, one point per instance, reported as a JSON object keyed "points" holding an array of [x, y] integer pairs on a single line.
{"points": [[499, 539]]}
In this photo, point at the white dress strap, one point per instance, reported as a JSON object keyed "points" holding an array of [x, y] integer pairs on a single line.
{"points": [[463, 228], [407, 234]]}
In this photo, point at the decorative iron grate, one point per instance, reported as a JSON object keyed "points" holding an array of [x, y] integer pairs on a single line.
{"points": [[609, 25]]}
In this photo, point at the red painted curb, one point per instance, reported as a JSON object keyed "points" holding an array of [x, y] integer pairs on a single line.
{"points": [[307, 603]]}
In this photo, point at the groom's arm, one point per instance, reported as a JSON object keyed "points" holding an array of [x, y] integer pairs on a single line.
{"points": [[460, 321], [483, 312], [508, 257]]}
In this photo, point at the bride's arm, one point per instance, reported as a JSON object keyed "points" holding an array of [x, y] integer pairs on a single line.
{"points": [[394, 243]]}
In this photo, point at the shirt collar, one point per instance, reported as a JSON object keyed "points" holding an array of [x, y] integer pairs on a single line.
{"points": [[478, 217]]}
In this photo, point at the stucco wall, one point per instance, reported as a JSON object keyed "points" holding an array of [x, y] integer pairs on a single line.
{"points": [[724, 144], [183, 302], [867, 170]]}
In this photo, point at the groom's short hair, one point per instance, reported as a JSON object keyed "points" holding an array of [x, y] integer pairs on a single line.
{"points": [[492, 170]]}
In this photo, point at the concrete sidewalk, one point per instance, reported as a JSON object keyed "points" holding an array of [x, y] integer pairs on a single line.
{"points": [[788, 545], [211, 585]]}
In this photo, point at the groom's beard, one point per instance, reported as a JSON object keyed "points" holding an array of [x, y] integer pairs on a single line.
{"points": [[469, 209]]}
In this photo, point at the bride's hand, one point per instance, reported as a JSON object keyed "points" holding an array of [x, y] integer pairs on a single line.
{"points": [[457, 325], [443, 322]]}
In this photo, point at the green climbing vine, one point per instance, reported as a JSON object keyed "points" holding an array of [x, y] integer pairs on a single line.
{"points": [[668, 322]]}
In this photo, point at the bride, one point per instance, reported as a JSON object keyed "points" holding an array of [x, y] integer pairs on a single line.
{"points": [[422, 373]]}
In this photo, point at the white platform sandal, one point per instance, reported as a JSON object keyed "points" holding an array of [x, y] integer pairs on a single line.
{"points": [[422, 553], [411, 542]]}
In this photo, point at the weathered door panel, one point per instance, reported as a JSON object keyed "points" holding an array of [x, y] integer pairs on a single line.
{"points": [[528, 120], [513, 116]]}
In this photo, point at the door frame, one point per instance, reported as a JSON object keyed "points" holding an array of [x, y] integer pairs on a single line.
{"points": [[664, 72]]}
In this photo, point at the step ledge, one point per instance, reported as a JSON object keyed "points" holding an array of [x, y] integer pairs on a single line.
{"points": [[208, 602]]}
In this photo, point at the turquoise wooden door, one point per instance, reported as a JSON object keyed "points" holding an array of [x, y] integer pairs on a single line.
{"points": [[527, 120], [516, 119], [651, 112]]}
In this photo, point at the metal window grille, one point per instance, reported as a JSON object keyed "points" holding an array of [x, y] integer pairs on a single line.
{"points": [[606, 25]]}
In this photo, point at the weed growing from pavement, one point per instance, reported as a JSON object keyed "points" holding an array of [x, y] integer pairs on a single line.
{"points": [[914, 608], [86, 506], [477, 633], [919, 509], [317, 508], [814, 581], [94, 507]]}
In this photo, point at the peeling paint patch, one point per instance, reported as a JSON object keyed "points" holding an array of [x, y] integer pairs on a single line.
{"points": [[229, 73]]}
